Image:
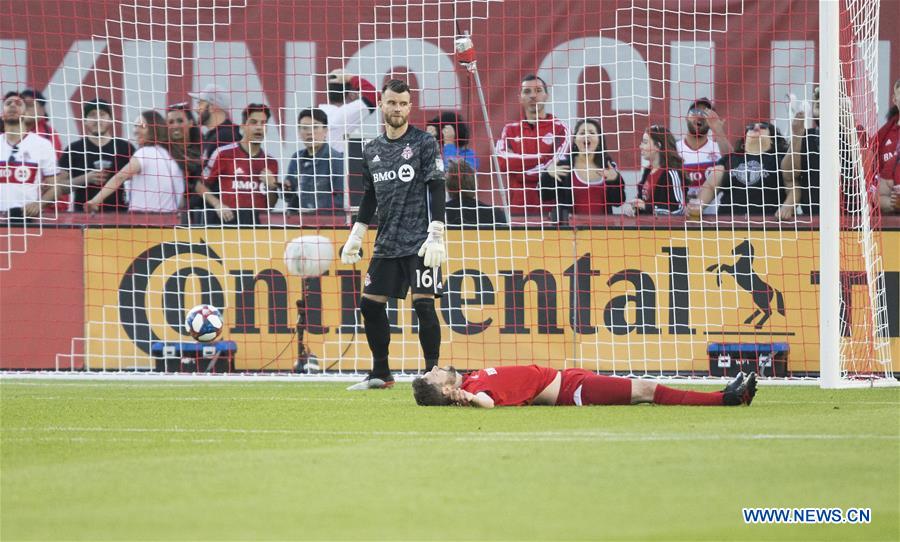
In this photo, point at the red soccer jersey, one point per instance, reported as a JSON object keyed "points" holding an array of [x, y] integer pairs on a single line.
{"points": [[510, 386], [888, 139], [523, 151], [242, 184]]}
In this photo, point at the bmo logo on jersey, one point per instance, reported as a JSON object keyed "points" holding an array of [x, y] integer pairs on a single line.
{"points": [[406, 173], [250, 186]]}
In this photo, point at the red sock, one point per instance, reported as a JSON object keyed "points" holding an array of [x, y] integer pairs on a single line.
{"points": [[665, 395], [605, 390]]}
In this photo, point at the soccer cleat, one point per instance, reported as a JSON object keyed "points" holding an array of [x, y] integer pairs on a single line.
{"points": [[749, 389], [373, 383], [733, 385], [740, 391]]}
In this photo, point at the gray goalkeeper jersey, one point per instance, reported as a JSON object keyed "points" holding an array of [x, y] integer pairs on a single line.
{"points": [[400, 170]]}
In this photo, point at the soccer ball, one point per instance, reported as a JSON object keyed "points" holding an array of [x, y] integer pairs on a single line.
{"points": [[204, 323], [308, 256]]}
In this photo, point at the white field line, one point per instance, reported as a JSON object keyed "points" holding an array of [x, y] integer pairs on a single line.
{"points": [[523, 436]]}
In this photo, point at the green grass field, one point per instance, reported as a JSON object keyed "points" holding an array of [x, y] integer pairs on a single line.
{"points": [[264, 461]]}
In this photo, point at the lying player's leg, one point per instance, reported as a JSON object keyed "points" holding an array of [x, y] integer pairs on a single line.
{"points": [[611, 390]]}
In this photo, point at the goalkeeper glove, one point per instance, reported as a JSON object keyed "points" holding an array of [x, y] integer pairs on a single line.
{"points": [[350, 252], [433, 248]]}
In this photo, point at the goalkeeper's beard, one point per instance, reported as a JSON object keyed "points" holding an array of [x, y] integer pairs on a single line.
{"points": [[396, 122]]}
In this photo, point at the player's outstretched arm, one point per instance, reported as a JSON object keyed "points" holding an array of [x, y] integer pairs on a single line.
{"points": [[130, 170], [481, 400], [463, 398]]}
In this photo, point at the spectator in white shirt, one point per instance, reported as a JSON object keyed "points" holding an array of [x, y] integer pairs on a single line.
{"points": [[155, 181], [702, 147], [350, 100], [28, 171]]}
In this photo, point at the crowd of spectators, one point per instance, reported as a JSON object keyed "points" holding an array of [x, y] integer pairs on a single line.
{"points": [[195, 160]]}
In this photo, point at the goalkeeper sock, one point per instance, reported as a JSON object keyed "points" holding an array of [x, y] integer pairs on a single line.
{"points": [[429, 331], [665, 395], [378, 334]]}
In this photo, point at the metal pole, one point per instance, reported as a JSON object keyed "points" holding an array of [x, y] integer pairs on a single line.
{"points": [[464, 47], [829, 212]]}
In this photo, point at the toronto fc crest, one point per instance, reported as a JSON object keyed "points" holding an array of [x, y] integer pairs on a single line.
{"points": [[407, 153]]}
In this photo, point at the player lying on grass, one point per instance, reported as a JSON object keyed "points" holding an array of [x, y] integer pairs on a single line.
{"points": [[535, 385]]}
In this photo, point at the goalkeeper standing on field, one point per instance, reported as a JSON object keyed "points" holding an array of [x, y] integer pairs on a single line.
{"points": [[403, 176]]}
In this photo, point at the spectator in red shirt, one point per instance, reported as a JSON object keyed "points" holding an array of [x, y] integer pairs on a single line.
{"points": [[888, 164], [526, 147], [661, 190], [522, 385], [587, 181], [240, 179]]}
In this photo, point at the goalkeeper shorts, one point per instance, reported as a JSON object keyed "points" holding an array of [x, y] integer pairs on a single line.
{"points": [[393, 277]]}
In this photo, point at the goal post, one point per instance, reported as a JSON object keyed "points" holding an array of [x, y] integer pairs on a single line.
{"points": [[854, 347], [830, 220]]}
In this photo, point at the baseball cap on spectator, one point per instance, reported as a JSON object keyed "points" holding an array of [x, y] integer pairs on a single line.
{"points": [[34, 94], [97, 103], [213, 94]]}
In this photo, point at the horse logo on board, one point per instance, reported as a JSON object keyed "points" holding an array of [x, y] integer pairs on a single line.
{"points": [[749, 280]]}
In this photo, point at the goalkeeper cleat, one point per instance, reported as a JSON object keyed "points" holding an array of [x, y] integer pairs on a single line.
{"points": [[308, 366], [372, 382], [740, 391]]}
